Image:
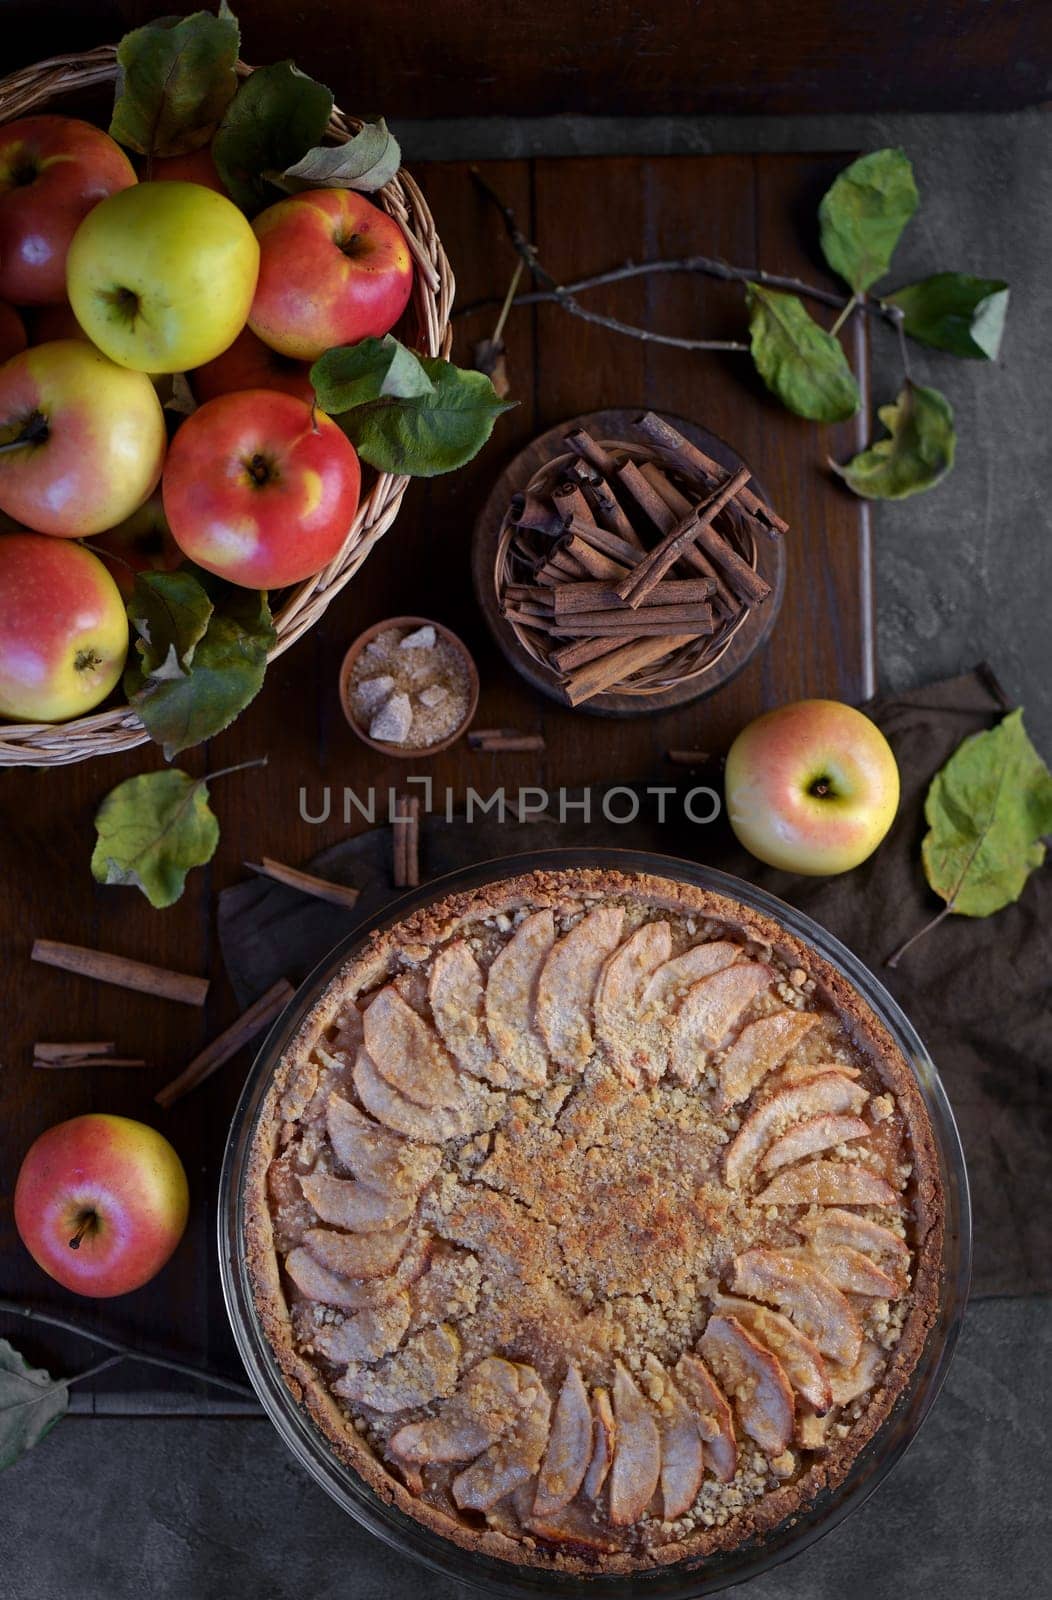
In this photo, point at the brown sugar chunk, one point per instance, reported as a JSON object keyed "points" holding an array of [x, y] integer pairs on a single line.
{"points": [[800, 1356], [569, 1447], [508, 1463], [710, 1010], [377, 1157], [713, 1414], [806, 1296], [488, 1403], [810, 1138], [604, 1436], [828, 1183], [348, 1204], [760, 1047], [409, 1055], [365, 1335], [358, 1255], [635, 1047], [511, 994], [456, 993], [829, 1091], [636, 1467], [753, 1379], [567, 983], [424, 1369], [404, 1116]]}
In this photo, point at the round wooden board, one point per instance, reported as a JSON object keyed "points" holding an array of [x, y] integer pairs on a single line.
{"points": [[609, 426]]}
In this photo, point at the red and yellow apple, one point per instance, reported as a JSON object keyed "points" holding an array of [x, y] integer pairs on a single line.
{"points": [[82, 440], [161, 277], [196, 166], [12, 332], [53, 171], [141, 543], [63, 629], [260, 489], [333, 269], [812, 787], [101, 1203], [251, 364]]}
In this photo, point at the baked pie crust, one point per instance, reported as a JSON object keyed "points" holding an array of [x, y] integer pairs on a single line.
{"points": [[594, 1219]]}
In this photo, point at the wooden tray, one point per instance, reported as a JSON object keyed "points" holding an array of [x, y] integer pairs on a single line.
{"points": [[585, 215], [611, 427]]}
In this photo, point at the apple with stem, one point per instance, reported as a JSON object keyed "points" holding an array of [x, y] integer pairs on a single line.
{"points": [[82, 441], [261, 488], [251, 364], [812, 787], [53, 171], [333, 269], [101, 1203], [161, 277], [63, 629]]}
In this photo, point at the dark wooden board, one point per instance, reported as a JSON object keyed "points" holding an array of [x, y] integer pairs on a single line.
{"points": [[616, 57], [585, 215], [610, 426]]}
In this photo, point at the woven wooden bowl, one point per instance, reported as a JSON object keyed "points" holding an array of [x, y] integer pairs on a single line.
{"points": [[35, 89]]}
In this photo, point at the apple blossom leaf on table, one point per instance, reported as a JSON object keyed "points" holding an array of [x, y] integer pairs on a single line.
{"points": [[31, 1402], [426, 434], [352, 375], [862, 215], [799, 361], [175, 79], [918, 451], [224, 676], [151, 831], [277, 115], [956, 312], [170, 612], [988, 812], [368, 160]]}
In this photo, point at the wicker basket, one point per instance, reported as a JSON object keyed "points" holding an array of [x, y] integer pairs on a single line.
{"points": [[32, 89]]}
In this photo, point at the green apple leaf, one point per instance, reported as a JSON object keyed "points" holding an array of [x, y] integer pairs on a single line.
{"points": [[225, 674], [917, 453], [277, 115], [988, 812], [354, 374], [31, 1402], [151, 831], [425, 434], [955, 312], [367, 161], [170, 612], [175, 79], [862, 215], [799, 361]]}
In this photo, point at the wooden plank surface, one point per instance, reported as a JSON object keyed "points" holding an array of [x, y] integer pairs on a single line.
{"points": [[585, 215], [617, 57]]}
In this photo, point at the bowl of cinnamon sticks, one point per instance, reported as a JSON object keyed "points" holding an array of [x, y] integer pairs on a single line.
{"points": [[629, 573]]}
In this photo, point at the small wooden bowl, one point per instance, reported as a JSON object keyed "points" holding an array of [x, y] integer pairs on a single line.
{"points": [[404, 751]]}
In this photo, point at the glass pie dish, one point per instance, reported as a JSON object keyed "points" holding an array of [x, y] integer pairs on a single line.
{"points": [[715, 1571]]}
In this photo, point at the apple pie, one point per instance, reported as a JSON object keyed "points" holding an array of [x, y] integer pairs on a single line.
{"points": [[594, 1219]]}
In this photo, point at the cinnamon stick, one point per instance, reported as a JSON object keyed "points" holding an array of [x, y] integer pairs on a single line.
{"points": [[646, 498], [695, 464], [746, 583], [650, 571], [531, 510], [570, 597], [594, 562], [570, 502], [336, 894], [511, 743], [568, 656], [581, 442], [228, 1043], [629, 624], [688, 758], [620, 664], [406, 826], [609, 544], [661, 483], [604, 503], [120, 970], [55, 1057]]}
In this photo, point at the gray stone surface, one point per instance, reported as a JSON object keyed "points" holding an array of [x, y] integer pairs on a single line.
{"points": [[217, 1510], [178, 1510]]}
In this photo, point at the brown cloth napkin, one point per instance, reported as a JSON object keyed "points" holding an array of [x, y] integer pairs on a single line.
{"points": [[978, 992]]}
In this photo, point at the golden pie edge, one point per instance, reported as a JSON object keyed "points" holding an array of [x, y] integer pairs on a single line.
{"points": [[438, 922]]}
